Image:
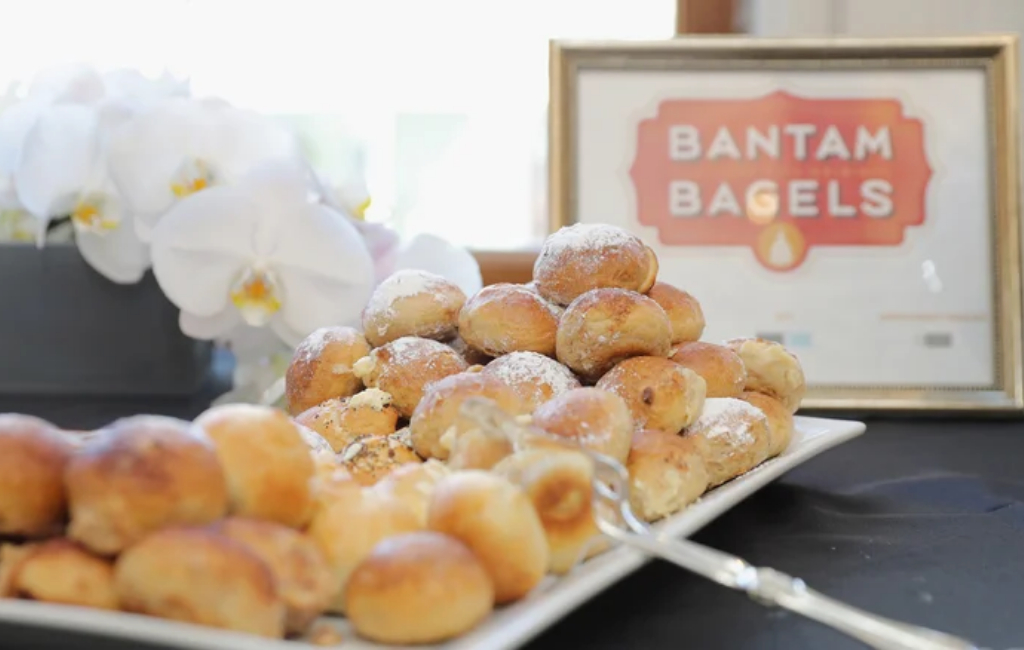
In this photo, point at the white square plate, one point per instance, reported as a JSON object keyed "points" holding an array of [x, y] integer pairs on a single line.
{"points": [[508, 627]]}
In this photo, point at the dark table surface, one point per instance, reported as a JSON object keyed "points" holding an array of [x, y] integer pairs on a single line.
{"points": [[921, 520]]}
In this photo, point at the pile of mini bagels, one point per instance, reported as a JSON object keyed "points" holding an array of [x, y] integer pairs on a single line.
{"points": [[375, 495]]}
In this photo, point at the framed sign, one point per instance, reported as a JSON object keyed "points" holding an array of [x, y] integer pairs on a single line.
{"points": [[856, 200]]}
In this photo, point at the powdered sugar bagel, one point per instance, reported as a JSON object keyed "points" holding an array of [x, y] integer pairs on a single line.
{"points": [[534, 377], [504, 318], [404, 367], [412, 303], [582, 257], [322, 367], [737, 437]]}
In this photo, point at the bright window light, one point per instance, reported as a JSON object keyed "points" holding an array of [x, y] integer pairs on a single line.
{"points": [[442, 102]]}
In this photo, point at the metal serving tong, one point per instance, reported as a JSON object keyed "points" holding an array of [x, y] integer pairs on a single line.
{"points": [[615, 519]]}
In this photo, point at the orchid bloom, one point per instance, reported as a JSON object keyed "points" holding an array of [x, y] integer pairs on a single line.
{"points": [[8, 195], [63, 84], [352, 199], [188, 145], [53, 145], [82, 85], [62, 171], [425, 252], [139, 93], [264, 251], [261, 360], [16, 225], [58, 85]]}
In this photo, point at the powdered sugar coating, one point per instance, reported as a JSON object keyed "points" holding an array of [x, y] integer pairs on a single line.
{"points": [[405, 366], [411, 349], [531, 366], [730, 418], [557, 310], [402, 284], [588, 243], [314, 345], [535, 377], [602, 327], [424, 354], [736, 435], [597, 419], [589, 236], [412, 303], [321, 367], [504, 318], [582, 257]]}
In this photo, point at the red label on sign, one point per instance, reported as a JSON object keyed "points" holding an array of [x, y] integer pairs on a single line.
{"points": [[781, 174]]}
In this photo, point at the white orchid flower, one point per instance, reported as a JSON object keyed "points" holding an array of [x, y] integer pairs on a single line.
{"points": [[426, 252], [264, 251], [118, 91], [10, 96], [261, 359], [70, 84], [76, 83], [383, 243], [80, 83], [352, 199], [15, 123], [353, 196], [62, 172], [52, 148], [138, 92], [185, 146], [8, 195], [16, 225]]}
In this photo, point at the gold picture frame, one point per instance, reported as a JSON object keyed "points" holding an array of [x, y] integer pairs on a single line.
{"points": [[996, 56]]}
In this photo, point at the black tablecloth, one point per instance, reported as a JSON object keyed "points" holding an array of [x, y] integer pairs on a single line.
{"points": [[917, 520], [922, 520]]}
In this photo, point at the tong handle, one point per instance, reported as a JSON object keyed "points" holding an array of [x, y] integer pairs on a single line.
{"points": [[771, 587], [776, 588]]}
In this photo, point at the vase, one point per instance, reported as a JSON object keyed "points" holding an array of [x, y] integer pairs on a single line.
{"points": [[67, 330]]}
